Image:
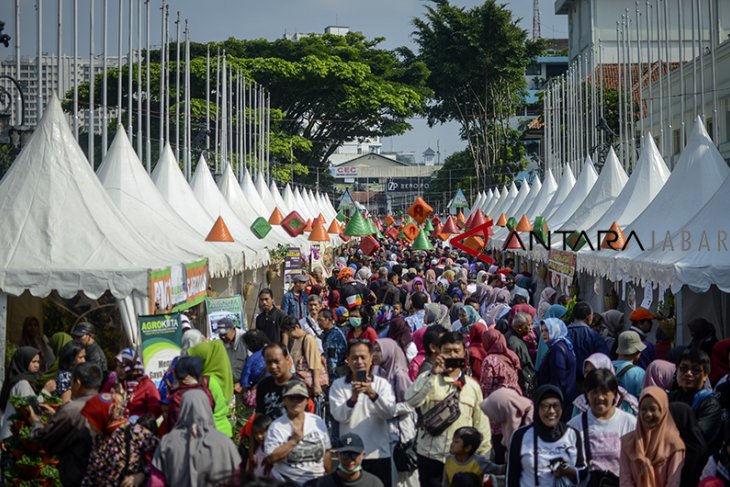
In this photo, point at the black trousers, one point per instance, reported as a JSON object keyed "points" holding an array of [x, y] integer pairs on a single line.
{"points": [[381, 468], [430, 472]]}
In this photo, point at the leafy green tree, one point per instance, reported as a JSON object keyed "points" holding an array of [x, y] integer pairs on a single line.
{"points": [[457, 172], [477, 59]]}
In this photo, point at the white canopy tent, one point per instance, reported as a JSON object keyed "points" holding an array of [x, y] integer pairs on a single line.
{"points": [[261, 209], [547, 191], [498, 199], [565, 186], [510, 210], [288, 198], [578, 194], [477, 202], [274, 190], [133, 192], [534, 192], [502, 205]]}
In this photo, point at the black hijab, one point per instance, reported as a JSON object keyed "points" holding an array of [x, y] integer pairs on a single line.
{"points": [[696, 452], [547, 434], [17, 371]]}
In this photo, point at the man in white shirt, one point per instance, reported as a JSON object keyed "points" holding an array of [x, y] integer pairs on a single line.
{"points": [[362, 404]]}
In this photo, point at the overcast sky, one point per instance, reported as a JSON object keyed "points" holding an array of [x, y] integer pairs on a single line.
{"points": [[213, 20]]}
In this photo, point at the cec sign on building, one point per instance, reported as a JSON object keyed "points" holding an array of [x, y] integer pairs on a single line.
{"points": [[343, 172]]}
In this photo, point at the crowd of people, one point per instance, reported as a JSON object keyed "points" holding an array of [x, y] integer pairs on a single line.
{"points": [[402, 368]]}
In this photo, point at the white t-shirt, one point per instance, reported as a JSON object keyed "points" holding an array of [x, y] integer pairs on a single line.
{"points": [[306, 461], [568, 448], [605, 438]]}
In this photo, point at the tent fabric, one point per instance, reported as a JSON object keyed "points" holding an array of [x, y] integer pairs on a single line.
{"points": [[60, 230], [215, 204], [261, 209], [133, 192], [578, 194], [477, 202], [498, 199], [643, 185], [534, 192], [522, 193], [173, 187], [565, 186], [698, 175], [548, 189], [503, 204]]}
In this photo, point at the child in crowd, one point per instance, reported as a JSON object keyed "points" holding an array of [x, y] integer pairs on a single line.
{"points": [[463, 459], [256, 454]]}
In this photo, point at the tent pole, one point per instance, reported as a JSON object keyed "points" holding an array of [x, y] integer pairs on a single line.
{"points": [[678, 312], [3, 330]]}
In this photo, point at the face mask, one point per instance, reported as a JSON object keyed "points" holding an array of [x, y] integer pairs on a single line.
{"points": [[349, 472], [356, 322]]}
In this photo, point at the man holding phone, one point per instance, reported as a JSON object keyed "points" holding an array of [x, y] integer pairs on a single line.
{"points": [[362, 404], [429, 391]]}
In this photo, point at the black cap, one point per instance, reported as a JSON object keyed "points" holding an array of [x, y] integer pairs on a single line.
{"points": [[351, 443], [83, 328], [224, 324]]}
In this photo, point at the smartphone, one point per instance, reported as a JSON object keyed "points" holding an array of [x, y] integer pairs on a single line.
{"points": [[361, 376], [455, 363]]}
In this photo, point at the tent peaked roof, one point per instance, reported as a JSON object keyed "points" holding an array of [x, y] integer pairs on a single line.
{"points": [[60, 230], [534, 192], [565, 186], [549, 187], [518, 200], [210, 198], [249, 191], [133, 192], [582, 188], [288, 198], [264, 192], [274, 190], [499, 198], [602, 195]]}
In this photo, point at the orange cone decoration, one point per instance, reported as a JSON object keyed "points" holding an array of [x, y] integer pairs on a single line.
{"points": [[321, 218], [334, 228], [219, 232], [461, 219], [276, 217], [437, 229], [524, 224], [308, 225], [502, 221], [612, 244], [389, 221], [450, 227], [318, 234]]}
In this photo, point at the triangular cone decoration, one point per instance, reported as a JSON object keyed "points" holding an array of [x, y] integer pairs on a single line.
{"points": [[513, 241], [389, 221], [437, 229], [511, 223], [421, 242], [308, 226], [276, 217], [321, 218], [334, 227], [357, 226], [318, 233], [524, 224], [461, 219], [502, 220], [420, 210], [219, 232], [477, 220], [540, 228], [469, 220], [435, 220], [617, 244], [450, 226], [379, 225], [428, 226], [372, 227]]}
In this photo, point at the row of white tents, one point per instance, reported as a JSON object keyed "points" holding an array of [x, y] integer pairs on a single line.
{"points": [[679, 218], [68, 229]]}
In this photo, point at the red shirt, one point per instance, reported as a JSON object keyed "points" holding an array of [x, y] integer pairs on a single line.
{"points": [[145, 399], [368, 334]]}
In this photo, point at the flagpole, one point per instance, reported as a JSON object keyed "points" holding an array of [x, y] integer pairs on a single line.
{"points": [[632, 123], [238, 124], [683, 97], [119, 62], [640, 74], [207, 101], [619, 45], [76, 69], [139, 80], [130, 65], [19, 100], [268, 134], [701, 38], [148, 90], [187, 144], [59, 56], [230, 117], [39, 61], [249, 120], [90, 129], [713, 45], [669, 78], [104, 84], [244, 122], [601, 95], [162, 79], [177, 88], [694, 61], [650, 62], [167, 73], [224, 115], [594, 112], [217, 107]]}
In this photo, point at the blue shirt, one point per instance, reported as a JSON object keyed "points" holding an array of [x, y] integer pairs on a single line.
{"points": [[585, 342], [415, 321], [632, 380], [254, 370], [335, 340], [292, 306]]}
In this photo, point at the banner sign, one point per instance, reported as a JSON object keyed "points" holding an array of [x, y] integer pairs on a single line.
{"points": [[178, 287], [561, 265], [161, 337], [292, 265], [402, 185], [343, 172], [230, 307]]}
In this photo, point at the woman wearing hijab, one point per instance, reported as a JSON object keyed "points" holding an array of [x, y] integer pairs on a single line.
{"points": [[507, 411], [561, 459], [188, 376], [194, 453], [719, 362], [468, 317], [476, 350], [696, 450], [431, 284], [624, 400], [56, 342], [393, 366], [614, 323], [401, 333], [558, 368], [217, 369], [420, 357], [653, 455], [139, 392], [501, 365], [547, 298], [437, 314], [499, 308], [555, 311], [21, 378], [32, 336], [660, 373]]}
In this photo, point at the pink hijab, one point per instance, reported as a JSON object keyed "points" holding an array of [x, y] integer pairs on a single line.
{"points": [[420, 356], [659, 373], [508, 409], [494, 343]]}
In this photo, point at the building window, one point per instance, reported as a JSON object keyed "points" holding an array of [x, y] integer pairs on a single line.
{"points": [[533, 69]]}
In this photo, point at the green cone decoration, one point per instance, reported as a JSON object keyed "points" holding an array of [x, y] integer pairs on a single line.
{"points": [[379, 234], [511, 223], [421, 242], [540, 228], [357, 226], [372, 227], [428, 226]]}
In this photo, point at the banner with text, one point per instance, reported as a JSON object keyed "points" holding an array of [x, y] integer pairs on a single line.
{"points": [[292, 265], [178, 287], [161, 342], [561, 266], [403, 185], [230, 307]]}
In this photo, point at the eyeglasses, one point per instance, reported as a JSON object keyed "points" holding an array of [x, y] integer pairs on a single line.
{"points": [[696, 369], [557, 407]]}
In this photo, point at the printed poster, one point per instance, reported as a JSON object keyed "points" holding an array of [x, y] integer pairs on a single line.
{"points": [[178, 287], [161, 337], [230, 307], [292, 265], [561, 267]]}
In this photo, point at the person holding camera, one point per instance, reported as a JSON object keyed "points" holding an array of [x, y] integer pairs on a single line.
{"points": [[447, 400], [547, 452], [362, 403]]}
